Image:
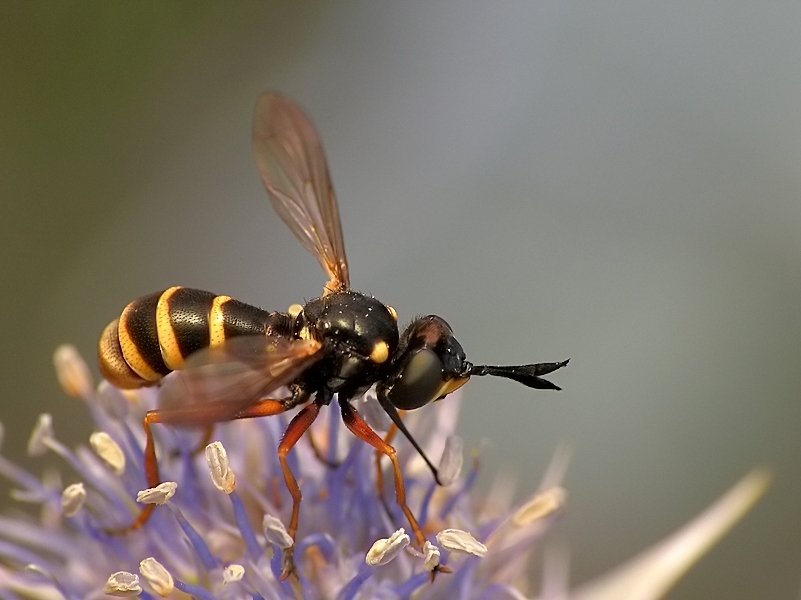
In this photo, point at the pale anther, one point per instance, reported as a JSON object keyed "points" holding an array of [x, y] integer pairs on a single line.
{"points": [[72, 499], [233, 573], [157, 495], [540, 506], [107, 449], [276, 533], [450, 465], [157, 576], [461, 541], [432, 555], [72, 373], [221, 474], [42, 431], [385, 549], [123, 583]]}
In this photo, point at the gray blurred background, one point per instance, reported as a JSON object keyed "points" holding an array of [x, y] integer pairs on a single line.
{"points": [[618, 184]]}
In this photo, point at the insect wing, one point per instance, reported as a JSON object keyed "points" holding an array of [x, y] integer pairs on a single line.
{"points": [[222, 380], [292, 165]]}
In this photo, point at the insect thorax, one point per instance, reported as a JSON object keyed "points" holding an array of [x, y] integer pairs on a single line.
{"points": [[359, 336]]}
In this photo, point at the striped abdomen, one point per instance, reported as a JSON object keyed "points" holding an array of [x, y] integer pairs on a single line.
{"points": [[156, 333]]}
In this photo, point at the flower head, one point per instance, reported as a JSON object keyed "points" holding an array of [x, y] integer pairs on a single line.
{"points": [[217, 530]]}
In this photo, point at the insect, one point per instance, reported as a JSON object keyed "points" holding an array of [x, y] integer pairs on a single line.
{"points": [[233, 358]]}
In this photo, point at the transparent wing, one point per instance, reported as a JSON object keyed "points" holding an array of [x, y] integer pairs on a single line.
{"points": [[292, 165], [233, 375]]}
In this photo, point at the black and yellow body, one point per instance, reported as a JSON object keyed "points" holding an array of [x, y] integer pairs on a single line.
{"points": [[358, 336], [234, 360], [155, 334], [357, 344]]}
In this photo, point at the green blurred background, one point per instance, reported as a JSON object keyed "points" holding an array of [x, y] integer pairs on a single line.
{"points": [[619, 184]]}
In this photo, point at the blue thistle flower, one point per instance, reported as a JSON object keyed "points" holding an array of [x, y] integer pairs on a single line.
{"points": [[219, 533]]}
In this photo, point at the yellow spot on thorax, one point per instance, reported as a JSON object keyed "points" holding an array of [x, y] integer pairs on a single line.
{"points": [[380, 353]]}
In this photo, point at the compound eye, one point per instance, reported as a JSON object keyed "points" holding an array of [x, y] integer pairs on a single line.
{"points": [[421, 381]]}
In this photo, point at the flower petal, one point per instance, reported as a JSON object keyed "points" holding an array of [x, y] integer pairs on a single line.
{"points": [[157, 576], [72, 499], [109, 450], [233, 573], [72, 373], [432, 556], [159, 494], [540, 506], [221, 474], [123, 583], [42, 431], [386, 549], [450, 465], [276, 533], [461, 541]]}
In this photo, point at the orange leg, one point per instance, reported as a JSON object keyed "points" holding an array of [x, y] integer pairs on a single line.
{"points": [[363, 431], [201, 415], [297, 427], [379, 476]]}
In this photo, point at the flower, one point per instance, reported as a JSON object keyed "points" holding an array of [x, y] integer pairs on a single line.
{"points": [[220, 533]]}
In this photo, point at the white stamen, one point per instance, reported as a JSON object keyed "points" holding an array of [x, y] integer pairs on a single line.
{"points": [[384, 550], [233, 573], [157, 576], [72, 499], [276, 533], [157, 495], [42, 431], [540, 506], [461, 541], [107, 449], [72, 373], [221, 474], [123, 583], [432, 555], [450, 465]]}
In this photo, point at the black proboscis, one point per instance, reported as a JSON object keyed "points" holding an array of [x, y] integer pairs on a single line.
{"points": [[528, 375]]}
